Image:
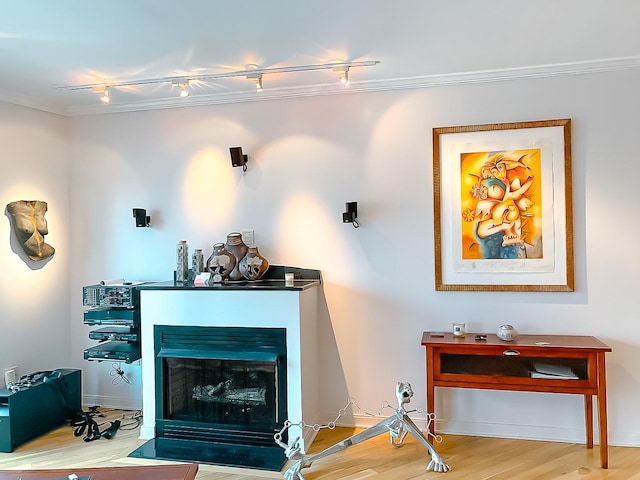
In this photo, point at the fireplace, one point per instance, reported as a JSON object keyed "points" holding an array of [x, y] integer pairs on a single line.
{"points": [[260, 359], [220, 394]]}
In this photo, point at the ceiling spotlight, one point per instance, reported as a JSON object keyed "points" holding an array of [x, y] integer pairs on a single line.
{"points": [[343, 74], [184, 88], [104, 97], [257, 78]]}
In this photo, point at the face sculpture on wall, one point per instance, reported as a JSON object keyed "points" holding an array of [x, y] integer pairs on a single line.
{"points": [[30, 227]]}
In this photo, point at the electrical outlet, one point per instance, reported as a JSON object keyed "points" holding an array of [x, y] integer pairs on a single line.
{"points": [[10, 375], [249, 238]]}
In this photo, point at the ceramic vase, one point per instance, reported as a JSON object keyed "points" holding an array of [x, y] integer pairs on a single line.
{"points": [[507, 333], [197, 261], [253, 265], [220, 263], [182, 262], [237, 247]]}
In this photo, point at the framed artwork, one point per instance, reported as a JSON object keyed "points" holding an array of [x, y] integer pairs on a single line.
{"points": [[503, 208]]}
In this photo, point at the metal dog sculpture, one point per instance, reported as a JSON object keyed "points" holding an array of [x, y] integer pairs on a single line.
{"points": [[398, 425]]}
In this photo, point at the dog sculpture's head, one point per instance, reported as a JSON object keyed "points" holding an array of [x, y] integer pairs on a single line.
{"points": [[404, 392]]}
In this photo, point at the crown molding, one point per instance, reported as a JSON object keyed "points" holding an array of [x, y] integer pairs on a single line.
{"points": [[394, 84], [32, 102]]}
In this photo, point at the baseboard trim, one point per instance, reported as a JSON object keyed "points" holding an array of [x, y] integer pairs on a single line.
{"points": [[121, 403], [515, 431]]}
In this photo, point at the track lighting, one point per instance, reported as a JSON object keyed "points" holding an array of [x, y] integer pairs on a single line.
{"points": [[104, 97], [184, 87], [254, 73], [257, 78], [343, 74], [344, 78]]}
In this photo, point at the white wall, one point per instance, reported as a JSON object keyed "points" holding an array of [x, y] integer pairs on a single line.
{"points": [[34, 296], [307, 157]]}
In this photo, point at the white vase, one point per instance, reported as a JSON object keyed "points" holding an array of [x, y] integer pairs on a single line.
{"points": [[197, 261], [182, 262], [507, 333]]}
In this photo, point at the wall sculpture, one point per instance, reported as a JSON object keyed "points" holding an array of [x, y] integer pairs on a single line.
{"points": [[30, 227]]}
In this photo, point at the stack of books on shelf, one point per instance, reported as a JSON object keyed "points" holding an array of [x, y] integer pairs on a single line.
{"points": [[547, 370]]}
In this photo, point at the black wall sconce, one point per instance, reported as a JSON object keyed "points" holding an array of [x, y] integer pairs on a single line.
{"points": [[351, 214], [142, 219], [237, 158]]}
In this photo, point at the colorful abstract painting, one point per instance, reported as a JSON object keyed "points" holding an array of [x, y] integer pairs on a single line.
{"points": [[501, 198]]}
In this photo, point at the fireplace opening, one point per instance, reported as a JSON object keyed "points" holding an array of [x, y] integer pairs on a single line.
{"points": [[220, 395], [223, 392]]}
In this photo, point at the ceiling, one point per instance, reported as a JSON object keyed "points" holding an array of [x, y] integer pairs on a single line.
{"points": [[49, 46]]}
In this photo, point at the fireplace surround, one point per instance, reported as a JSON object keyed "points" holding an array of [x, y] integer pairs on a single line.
{"points": [[236, 369], [220, 394]]}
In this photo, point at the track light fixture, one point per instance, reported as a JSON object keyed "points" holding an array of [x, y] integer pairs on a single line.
{"points": [[257, 78], [254, 73], [184, 87], [343, 74], [104, 94]]}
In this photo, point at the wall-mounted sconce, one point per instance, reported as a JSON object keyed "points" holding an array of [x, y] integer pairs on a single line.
{"points": [[237, 158], [351, 214], [142, 219]]}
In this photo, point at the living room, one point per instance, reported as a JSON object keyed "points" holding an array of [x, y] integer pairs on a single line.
{"points": [[456, 64]]}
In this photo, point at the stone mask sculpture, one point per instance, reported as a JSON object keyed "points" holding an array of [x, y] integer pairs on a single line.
{"points": [[30, 227]]}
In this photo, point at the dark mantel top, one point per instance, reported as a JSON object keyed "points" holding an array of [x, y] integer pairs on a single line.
{"points": [[272, 280]]}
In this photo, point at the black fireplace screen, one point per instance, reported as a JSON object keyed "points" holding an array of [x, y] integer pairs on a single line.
{"points": [[224, 378], [221, 395], [221, 392]]}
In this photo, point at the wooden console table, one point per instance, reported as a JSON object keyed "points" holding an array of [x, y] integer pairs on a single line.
{"points": [[532, 363]]}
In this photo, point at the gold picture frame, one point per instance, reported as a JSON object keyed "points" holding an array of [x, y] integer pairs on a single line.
{"points": [[503, 212]]}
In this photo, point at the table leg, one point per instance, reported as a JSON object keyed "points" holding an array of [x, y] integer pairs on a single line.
{"points": [[431, 404], [588, 417], [602, 410]]}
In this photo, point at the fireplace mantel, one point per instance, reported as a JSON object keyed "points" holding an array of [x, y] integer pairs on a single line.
{"points": [[269, 304]]}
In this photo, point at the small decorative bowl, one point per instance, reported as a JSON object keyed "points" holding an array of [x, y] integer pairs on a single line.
{"points": [[507, 333]]}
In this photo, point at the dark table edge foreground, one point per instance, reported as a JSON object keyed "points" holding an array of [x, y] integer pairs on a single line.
{"points": [[182, 471]]}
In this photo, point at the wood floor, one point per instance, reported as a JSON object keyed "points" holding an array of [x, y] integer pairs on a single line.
{"points": [[471, 458]]}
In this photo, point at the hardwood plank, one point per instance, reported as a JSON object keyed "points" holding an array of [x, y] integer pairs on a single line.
{"points": [[471, 458]]}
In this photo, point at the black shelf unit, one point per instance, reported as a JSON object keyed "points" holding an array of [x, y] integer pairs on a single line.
{"points": [[116, 310]]}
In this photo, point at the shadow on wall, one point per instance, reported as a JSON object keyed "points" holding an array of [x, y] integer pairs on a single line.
{"points": [[329, 355]]}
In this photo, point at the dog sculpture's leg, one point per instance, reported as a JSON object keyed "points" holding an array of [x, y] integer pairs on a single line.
{"points": [[437, 463], [294, 472]]}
